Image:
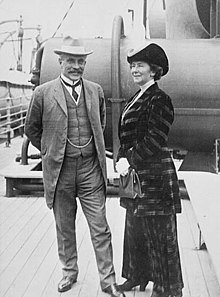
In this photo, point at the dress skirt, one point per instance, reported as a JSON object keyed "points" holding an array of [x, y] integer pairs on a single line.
{"points": [[136, 263], [160, 232], [151, 252]]}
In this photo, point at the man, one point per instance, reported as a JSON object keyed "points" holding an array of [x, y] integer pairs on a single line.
{"points": [[65, 121]]}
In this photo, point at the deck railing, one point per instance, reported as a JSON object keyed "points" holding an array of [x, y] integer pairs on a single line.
{"points": [[12, 116]]}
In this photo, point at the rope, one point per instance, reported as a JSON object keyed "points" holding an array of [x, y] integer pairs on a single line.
{"points": [[63, 18]]}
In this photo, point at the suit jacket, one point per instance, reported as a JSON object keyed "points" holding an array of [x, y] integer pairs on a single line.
{"points": [[143, 134], [46, 127]]}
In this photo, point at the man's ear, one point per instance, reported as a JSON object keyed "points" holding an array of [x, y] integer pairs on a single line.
{"points": [[60, 60]]}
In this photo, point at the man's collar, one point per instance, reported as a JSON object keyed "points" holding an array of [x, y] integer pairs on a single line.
{"points": [[67, 80]]}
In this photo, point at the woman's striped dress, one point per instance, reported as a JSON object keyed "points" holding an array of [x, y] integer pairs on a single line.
{"points": [[143, 134]]}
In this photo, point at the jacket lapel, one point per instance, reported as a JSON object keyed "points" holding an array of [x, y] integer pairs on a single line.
{"points": [[150, 90], [148, 93], [88, 97], [59, 95]]}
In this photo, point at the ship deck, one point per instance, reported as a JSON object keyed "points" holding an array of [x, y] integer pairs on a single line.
{"points": [[29, 265]]}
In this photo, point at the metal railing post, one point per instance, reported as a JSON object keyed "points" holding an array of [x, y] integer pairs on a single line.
{"points": [[8, 112], [21, 117]]}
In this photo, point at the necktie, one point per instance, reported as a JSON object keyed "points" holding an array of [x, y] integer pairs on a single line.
{"points": [[74, 93]]}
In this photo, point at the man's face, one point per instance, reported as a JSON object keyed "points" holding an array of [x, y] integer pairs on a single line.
{"points": [[72, 66]]}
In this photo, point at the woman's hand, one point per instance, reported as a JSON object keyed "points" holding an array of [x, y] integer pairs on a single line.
{"points": [[122, 166]]}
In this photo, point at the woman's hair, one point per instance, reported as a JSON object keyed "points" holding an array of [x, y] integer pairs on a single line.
{"points": [[157, 70]]}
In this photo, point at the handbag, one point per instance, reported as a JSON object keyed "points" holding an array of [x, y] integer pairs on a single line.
{"points": [[129, 185]]}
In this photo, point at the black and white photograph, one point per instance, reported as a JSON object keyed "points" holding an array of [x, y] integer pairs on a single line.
{"points": [[109, 148]]}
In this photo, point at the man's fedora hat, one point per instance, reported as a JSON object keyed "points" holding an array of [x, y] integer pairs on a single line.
{"points": [[72, 46], [151, 54]]}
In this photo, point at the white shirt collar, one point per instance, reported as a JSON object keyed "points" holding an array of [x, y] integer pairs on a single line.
{"points": [[69, 88], [147, 85], [143, 89], [66, 79]]}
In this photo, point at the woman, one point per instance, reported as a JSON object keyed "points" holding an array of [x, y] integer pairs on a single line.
{"points": [[143, 132]]}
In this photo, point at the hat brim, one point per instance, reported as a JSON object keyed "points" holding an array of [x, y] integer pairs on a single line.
{"points": [[151, 54], [60, 52], [133, 52]]}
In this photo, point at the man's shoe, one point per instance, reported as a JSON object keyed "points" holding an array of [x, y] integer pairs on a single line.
{"points": [[66, 283], [114, 291]]}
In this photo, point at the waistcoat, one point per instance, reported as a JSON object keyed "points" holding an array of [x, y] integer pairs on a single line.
{"points": [[79, 129]]}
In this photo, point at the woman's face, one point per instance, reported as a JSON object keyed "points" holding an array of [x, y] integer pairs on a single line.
{"points": [[141, 72]]}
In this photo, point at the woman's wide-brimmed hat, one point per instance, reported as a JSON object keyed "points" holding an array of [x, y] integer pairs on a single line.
{"points": [[72, 46], [151, 54]]}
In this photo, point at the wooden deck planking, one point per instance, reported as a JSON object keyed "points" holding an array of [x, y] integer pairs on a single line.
{"points": [[19, 215], [43, 273], [10, 232], [32, 262], [53, 277], [29, 265], [186, 289], [29, 268], [90, 281], [190, 260], [21, 238], [206, 205], [11, 210], [3, 204], [15, 258], [207, 269]]}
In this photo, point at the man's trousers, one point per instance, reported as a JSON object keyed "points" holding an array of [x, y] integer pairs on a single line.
{"points": [[82, 178]]}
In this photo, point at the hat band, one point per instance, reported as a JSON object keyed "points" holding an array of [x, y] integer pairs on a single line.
{"points": [[73, 49]]}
